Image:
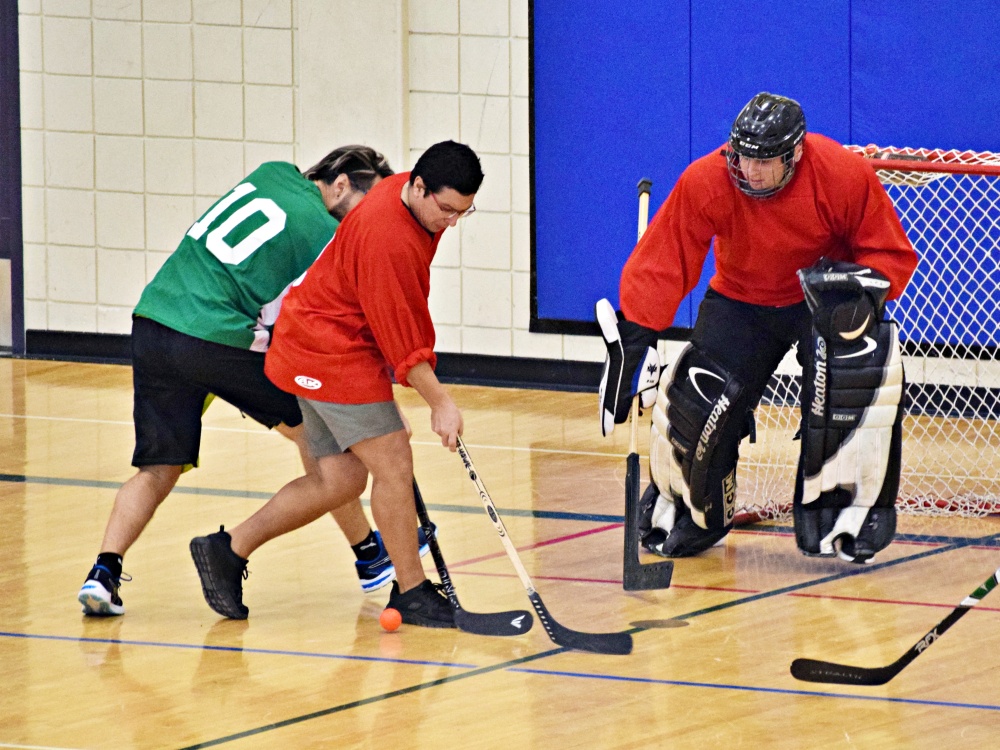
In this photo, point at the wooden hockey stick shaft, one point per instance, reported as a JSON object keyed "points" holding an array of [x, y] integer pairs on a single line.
{"points": [[599, 643]]}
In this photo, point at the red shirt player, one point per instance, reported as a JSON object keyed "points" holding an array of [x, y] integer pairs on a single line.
{"points": [[808, 248], [358, 318]]}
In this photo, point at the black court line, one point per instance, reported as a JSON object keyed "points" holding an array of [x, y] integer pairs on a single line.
{"points": [[859, 570], [438, 507], [369, 700]]}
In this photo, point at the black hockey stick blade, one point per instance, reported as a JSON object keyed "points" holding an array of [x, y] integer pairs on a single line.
{"points": [[597, 643], [513, 622], [637, 576], [813, 670]]}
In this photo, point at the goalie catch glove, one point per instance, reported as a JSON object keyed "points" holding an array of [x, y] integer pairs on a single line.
{"points": [[631, 367], [846, 300]]}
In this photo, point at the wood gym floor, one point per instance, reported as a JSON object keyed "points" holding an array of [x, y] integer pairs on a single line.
{"points": [[312, 668]]}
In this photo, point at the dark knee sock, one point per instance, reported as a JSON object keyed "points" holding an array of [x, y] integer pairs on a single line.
{"points": [[367, 549], [112, 561]]}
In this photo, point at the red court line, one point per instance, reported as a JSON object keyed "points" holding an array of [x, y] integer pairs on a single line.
{"points": [[527, 547], [613, 581], [869, 600], [803, 595]]}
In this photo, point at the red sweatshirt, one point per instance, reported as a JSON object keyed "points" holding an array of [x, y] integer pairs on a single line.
{"points": [[361, 309], [834, 207]]}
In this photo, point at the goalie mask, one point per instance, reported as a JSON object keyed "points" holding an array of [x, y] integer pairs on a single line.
{"points": [[763, 144]]}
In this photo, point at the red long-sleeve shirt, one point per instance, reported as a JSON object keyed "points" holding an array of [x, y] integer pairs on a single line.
{"points": [[834, 207], [361, 308]]}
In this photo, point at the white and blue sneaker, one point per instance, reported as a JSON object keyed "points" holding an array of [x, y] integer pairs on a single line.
{"points": [[379, 572], [99, 594]]}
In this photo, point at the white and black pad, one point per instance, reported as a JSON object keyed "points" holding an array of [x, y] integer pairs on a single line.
{"points": [[849, 467], [699, 418]]}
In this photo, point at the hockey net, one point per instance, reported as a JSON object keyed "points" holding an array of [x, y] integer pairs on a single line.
{"points": [[949, 205]]}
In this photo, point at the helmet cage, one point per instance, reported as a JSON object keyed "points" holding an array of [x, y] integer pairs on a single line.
{"points": [[740, 179]]}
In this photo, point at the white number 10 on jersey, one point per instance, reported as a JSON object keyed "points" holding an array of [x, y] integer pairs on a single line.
{"points": [[216, 239]]}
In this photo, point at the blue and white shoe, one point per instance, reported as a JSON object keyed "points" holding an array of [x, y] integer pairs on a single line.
{"points": [[379, 572], [99, 594]]}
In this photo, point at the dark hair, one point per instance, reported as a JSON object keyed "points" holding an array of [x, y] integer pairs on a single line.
{"points": [[449, 165], [361, 164]]}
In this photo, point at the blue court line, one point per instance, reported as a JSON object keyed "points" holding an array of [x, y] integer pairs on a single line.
{"points": [[236, 649], [438, 507], [510, 665], [97, 484], [950, 543], [752, 689]]}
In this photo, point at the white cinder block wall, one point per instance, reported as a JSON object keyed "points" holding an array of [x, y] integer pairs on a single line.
{"points": [[137, 114]]}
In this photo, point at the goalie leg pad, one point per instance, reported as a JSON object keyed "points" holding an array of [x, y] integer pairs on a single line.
{"points": [[699, 419], [849, 469], [667, 529]]}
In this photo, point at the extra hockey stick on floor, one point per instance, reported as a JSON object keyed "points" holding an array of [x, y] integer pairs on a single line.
{"points": [[813, 670], [598, 643], [515, 622], [635, 575]]}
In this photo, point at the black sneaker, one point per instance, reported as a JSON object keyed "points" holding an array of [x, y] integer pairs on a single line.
{"points": [[424, 605], [222, 572], [99, 594]]}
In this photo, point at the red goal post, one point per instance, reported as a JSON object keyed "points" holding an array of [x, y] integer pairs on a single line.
{"points": [[949, 316]]}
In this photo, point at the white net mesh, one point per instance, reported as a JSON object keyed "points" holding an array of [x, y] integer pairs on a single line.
{"points": [[948, 319]]}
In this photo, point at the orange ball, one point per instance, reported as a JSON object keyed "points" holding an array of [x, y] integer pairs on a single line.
{"points": [[390, 619]]}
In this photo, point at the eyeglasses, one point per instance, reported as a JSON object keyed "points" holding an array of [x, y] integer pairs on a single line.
{"points": [[459, 214]]}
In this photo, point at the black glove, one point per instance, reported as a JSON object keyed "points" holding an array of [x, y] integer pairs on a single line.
{"points": [[846, 299]]}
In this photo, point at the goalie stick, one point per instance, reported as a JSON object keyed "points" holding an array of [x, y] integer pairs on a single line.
{"points": [[514, 622], [813, 670], [635, 575], [598, 643]]}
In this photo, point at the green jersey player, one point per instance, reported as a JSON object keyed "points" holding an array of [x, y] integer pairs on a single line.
{"points": [[201, 328]]}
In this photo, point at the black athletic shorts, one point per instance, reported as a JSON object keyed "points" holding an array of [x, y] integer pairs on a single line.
{"points": [[750, 340], [174, 373]]}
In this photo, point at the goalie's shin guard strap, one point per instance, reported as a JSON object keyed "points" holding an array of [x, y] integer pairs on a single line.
{"points": [[699, 418], [849, 468]]}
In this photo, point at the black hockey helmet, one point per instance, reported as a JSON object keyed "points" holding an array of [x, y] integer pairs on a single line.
{"points": [[768, 127]]}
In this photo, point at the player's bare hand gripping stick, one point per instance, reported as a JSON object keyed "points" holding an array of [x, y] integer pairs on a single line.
{"points": [[813, 670], [599, 643], [514, 622]]}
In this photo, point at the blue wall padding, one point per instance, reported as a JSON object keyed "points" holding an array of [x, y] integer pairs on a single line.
{"points": [[625, 90]]}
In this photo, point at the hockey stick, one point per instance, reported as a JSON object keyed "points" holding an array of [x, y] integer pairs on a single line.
{"points": [[598, 643], [635, 575], [514, 622], [812, 670]]}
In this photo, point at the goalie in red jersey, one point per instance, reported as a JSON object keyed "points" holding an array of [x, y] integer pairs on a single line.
{"points": [[808, 248]]}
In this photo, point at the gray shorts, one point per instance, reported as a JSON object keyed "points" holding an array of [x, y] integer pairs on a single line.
{"points": [[333, 428]]}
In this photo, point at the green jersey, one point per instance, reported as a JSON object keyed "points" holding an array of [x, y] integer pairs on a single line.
{"points": [[239, 257]]}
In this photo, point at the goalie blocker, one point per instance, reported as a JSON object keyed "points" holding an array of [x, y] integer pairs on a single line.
{"points": [[631, 367], [849, 468]]}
